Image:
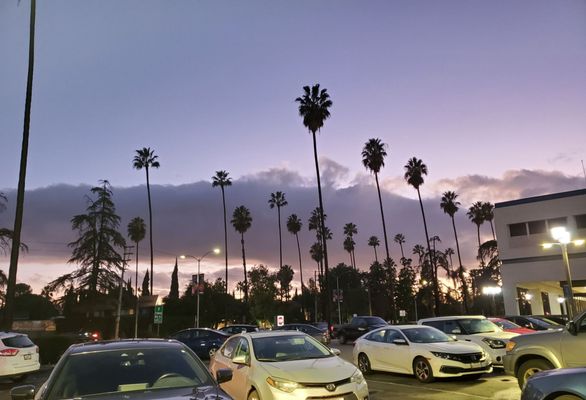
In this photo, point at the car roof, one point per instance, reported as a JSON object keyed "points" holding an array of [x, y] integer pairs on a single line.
{"points": [[124, 344], [200, 329], [452, 317], [272, 333], [5, 335]]}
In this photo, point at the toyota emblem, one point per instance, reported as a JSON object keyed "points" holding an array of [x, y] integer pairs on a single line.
{"points": [[330, 387]]}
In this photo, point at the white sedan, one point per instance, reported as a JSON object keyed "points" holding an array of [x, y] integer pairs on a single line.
{"points": [[423, 351], [286, 366]]}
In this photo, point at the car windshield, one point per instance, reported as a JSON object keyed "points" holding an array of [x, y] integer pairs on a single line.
{"points": [[288, 348], [425, 335], [477, 325], [506, 324], [542, 321], [123, 371], [375, 321]]}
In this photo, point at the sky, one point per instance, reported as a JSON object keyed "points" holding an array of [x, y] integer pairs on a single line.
{"points": [[490, 95]]}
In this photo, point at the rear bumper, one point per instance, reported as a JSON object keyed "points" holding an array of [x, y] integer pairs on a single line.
{"points": [[9, 370]]}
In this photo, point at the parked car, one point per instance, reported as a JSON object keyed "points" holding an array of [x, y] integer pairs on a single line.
{"points": [[203, 341], [135, 369], [560, 319], [557, 384], [18, 356], [530, 322], [509, 326], [560, 348], [239, 328], [357, 327], [476, 329], [286, 365], [423, 351], [319, 334]]}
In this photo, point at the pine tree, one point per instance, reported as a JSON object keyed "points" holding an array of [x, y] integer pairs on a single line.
{"points": [[174, 291], [145, 285]]}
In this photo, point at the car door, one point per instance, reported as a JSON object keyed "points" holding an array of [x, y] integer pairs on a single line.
{"points": [[223, 359], [397, 355], [574, 346], [238, 386], [373, 346]]}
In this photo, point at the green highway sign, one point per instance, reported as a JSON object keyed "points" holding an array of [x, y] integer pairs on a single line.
{"points": [[158, 315]]}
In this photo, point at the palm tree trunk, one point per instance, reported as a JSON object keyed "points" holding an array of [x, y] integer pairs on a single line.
{"points": [[325, 299], [244, 265], [300, 267], [375, 255], [150, 226], [225, 236], [354, 259], [479, 245], [280, 241], [136, 294], [432, 258], [461, 268], [401, 246], [351, 262], [380, 202], [14, 252]]}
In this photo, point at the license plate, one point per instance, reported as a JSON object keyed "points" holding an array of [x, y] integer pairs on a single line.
{"points": [[27, 356]]}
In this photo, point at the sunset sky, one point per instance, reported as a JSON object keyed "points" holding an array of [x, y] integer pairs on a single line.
{"points": [[489, 94]]}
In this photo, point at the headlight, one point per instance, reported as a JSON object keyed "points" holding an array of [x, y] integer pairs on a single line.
{"points": [[511, 345], [441, 355], [282, 384], [494, 343], [357, 378]]}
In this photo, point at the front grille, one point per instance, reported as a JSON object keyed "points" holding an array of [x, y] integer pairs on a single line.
{"points": [[345, 396], [468, 358], [324, 384], [458, 370]]}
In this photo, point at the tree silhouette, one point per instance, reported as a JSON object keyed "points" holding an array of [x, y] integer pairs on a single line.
{"points": [[136, 233], [278, 200], [374, 242], [476, 215], [222, 180], [350, 229], [294, 225], [145, 284], [400, 239], [241, 221], [174, 289]]}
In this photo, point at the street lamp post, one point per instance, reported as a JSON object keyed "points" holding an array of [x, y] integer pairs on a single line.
{"points": [[198, 259]]}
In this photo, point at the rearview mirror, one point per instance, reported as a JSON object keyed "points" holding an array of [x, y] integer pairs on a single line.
{"points": [[400, 342], [241, 360], [223, 375], [453, 337], [26, 392], [336, 352]]}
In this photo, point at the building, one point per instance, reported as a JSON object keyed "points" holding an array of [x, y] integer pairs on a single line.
{"points": [[534, 277]]}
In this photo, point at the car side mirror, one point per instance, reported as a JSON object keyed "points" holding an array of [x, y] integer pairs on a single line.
{"points": [[240, 360], [453, 337], [26, 392], [336, 352], [222, 375], [571, 327], [400, 342]]}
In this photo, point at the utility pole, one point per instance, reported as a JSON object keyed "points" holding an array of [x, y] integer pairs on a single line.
{"points": [[338, 300], [125, 259], [315, 295]]}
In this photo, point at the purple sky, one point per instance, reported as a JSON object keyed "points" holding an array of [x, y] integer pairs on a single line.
{"points": [[483, 92]]}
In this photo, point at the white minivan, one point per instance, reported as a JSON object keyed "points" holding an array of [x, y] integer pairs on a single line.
{"points": [[476, 329]]}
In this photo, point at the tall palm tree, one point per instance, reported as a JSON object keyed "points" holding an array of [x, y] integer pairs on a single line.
{"points": [[349, 247], [488, 212], [314, 108], [317, 255], [146, 158], [278, 200], [294, 225], [373, 158], [373, 241], [136, 233], [476, 215], [415, 169], [241, 221], [16, 245], [350, 230], [450, 205], [400, 239], [222, 180]]}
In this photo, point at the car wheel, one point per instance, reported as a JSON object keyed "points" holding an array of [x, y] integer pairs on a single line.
{"points": [[253, 395], [342, 338], [212, 351], [422, 370], [529, 368], [364, 364]]}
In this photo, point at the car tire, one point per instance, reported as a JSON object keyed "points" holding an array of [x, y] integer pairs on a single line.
{"points": [[422, 370], [528, 368], [212, 352], [253, 395], [342, 338], [364, 364]]}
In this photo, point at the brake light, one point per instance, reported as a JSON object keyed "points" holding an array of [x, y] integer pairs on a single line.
{"points": [[95, 335], [8, 352], [331, 328]]}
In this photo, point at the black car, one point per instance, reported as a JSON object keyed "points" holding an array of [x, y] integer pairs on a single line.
{"points": [[203, 341], [530, 322], [234, 329], [135, 369], [319, 334]]}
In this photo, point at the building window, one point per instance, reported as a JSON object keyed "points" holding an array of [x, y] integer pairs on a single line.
{"points": [[524, 301], [580, 221], [555, 222], [518, 229], [536, 227], [545, 302]]}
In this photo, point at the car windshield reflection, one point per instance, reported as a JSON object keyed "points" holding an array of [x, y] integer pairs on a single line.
{"points": [[288, 348], [425, 335]]}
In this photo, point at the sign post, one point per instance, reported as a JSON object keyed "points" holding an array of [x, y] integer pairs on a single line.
{"points": [[158, 320]]}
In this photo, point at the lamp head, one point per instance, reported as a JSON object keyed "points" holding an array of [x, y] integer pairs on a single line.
{"points": [[216, 251], [579, 242], [561, 299], [182, 256], [560, 234]]}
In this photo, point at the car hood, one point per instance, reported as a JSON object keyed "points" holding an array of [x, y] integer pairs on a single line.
{"points": [[200, 393], [456, 347], [315, 370], [540, 337], [562, 373], [496, 335]]}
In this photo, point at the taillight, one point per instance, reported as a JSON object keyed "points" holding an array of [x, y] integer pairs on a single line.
{"points": [[8, 352], [95, 336], [331, 328]]}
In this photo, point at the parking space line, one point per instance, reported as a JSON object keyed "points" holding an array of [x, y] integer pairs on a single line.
{"points": [[432, 389]]}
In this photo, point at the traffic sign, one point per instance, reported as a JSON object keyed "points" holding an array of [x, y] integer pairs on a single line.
{"points": [[280, 320], [158, 315], [402, 313]]}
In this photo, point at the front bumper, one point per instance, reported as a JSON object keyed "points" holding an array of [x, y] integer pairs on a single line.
{"points": [[443, 368], [349, 391], [509, 364]]}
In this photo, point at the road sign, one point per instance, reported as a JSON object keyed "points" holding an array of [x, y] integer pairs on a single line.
{"points": [[338, 295], [194, 284], [280, 320], [402, 313], [158, 315]]}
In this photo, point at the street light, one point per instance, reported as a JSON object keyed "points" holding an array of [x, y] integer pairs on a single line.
{"points": [[183, 257], [562, 238], [492, 291]]}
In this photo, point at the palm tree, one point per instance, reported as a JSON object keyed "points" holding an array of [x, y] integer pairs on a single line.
{"points": [[136, 233], [278, 200], [400, 239], [294, 225], [450, 205], [415, 169], [222, 180], [16, 245], [314, 107], [241, 221], [317, 255], [488, 212], [373, 158], [350, 230], [373, 241], [349, 247], [146, 158], [476, 215]]}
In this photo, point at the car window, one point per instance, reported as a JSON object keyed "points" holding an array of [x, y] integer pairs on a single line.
{"points": [[183, 335], [19, 341], [452, 327], [436, 324], [229, 347], [288, 348], [392, 335], [201, 334], [243, 348], [377, 336]]}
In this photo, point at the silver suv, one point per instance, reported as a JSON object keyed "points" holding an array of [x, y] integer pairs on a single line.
{"points": [[535, 352]]}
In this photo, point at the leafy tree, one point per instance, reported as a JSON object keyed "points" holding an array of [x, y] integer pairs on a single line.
{"points": [[145, 284], [374, 242], [405, 285], [174, 290], [136, 232], [317, 255], [400, 239], [146, 158], [415, 169], [488, 213], [314, 108], [294, 225], [263, 292], [349, 247], [284, 277], [241, 221], [6, 235], [350, 230], [350, 282], [476, 215], [322, 234], [278, 200], [222, 181]]}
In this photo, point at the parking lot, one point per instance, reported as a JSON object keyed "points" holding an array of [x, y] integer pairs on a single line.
{"points": [[384, 386]]}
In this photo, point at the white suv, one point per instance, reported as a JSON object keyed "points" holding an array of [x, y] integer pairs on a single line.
{"points": [[476, 329], [18, 355]]}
